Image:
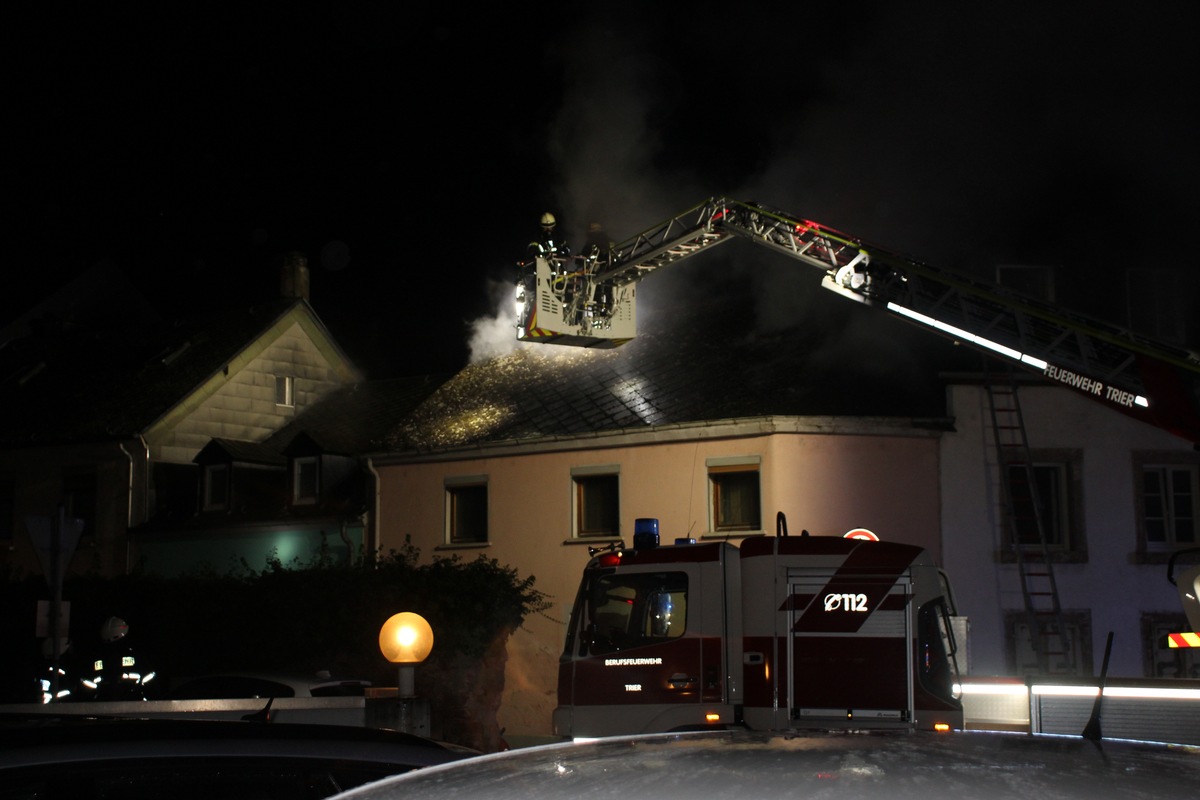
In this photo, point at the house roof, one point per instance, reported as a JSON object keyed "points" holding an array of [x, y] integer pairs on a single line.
{"points": [[225, 450], [714, 363], [355, 419], [109, 379]]}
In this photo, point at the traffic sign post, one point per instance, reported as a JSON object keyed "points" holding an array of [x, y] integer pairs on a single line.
{"points": [[54, 540]]}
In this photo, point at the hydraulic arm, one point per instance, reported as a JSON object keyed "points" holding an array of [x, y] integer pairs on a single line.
{"points": [[1157, 382]]}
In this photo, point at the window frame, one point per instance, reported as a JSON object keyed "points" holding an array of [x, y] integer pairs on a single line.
{"points": [[720, 471], [285, 391], [583, 478], [210, 481], [1157, 655], [1056, 523], [457, 490], [298, 462], [1068, 541], [1173, 461], [1079, 626]]}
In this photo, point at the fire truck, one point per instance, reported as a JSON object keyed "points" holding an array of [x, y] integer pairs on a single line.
{"points": [[1188, 584], [795, 631], [782, 632]]}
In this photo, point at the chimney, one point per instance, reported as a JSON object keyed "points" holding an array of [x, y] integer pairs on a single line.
{"points": [[293, 276]]}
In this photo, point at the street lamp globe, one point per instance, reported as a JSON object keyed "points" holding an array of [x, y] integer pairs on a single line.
{"points": [[406, 639]]}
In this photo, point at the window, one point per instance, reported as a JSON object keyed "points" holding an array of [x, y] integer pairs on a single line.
{"points": [[1041, 486], [1076, 659], [1162, 660], [285, 389], [734, 490], [596, 501], [306, 474], [938, 665], [1048, 492], [216, 487], [632, 610], [1168, 498], [466, 511]]}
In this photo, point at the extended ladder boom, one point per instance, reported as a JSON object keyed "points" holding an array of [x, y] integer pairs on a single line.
{"points": [[1157, 382]]}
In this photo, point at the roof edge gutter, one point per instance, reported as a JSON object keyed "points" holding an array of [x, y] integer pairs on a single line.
{"points": [[675, 432]]}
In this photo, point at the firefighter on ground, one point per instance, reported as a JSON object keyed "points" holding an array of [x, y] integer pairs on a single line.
{"points": [[116, 673], [54, 684]]}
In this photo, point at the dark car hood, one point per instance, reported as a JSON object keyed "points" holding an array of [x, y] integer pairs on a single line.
{"points": [[857, 765]]}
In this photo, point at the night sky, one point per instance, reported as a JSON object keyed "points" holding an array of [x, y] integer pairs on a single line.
{"points": [[409, 150]]}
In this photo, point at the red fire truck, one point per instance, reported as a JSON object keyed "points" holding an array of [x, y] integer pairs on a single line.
{"points": [[782, 632]]}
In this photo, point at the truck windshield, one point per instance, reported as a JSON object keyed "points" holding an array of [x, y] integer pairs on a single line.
{"points": [[631, 610]]}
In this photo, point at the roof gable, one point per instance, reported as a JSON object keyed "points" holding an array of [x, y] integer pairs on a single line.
{"points": [[227, 451], [119, 377], [356, 419]]}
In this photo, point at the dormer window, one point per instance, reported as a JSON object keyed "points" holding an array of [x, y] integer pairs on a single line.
{"points": [[306, 479], [216, 487], [285, 391]]}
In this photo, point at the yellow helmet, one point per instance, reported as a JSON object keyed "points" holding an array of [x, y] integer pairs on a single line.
{"points": [[548, 220]]}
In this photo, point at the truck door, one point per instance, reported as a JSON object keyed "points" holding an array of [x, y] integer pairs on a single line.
{"points": [[632, 656], [850, 648]]}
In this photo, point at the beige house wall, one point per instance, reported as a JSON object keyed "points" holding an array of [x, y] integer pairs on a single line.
{"points": [[239, 403], [825, 479]]}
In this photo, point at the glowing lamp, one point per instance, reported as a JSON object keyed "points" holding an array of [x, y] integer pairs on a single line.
{"points": [[406, 639]]}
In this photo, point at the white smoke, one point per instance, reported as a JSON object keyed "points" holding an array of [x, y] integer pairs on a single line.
{"points": [[495, 335], [930, 134]]}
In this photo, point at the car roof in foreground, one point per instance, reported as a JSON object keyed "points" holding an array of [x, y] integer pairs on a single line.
{"points": [[859, 765], [30, 740]]}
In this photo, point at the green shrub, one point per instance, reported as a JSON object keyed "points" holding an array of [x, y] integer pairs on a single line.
{"points": [[296, 618]]}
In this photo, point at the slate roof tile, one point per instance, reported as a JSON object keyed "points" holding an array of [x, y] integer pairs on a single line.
{"points": [[353, 420], [704, 366]]}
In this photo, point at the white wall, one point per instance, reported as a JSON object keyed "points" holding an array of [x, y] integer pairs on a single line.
{"points": [[1110, 584]]}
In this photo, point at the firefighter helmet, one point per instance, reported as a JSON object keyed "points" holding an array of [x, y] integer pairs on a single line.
{"points": [[548, 220], [113, 629]]}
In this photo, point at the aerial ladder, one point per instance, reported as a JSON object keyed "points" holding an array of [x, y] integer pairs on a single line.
{"points": [[589, 300]]}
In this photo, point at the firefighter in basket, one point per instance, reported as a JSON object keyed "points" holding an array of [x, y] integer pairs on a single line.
{"points": [[547, 245]]}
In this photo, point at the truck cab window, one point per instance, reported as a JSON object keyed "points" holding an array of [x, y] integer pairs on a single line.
{"points": [[938, 667], [634, 610]]}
